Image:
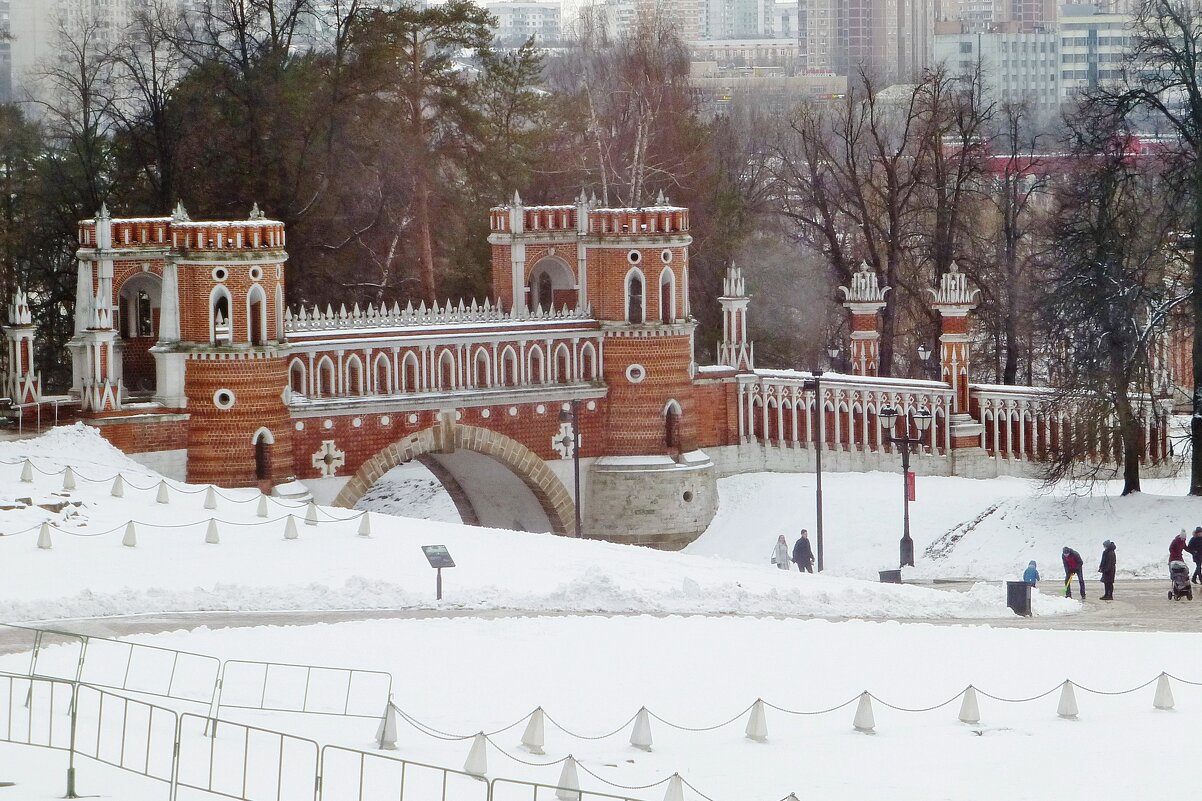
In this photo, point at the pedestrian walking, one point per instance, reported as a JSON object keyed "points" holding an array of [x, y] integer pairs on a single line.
{"points": [[1194, 546], [1031, 574], [1177, 548], [803, 556], [780, 554], [1074, 565], [1106, 568]]}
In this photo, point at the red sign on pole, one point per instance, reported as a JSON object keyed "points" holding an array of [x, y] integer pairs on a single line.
{"points": [[910, 485]]}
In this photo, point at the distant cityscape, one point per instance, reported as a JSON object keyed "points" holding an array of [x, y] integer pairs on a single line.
{"points": [[1038, 52]]}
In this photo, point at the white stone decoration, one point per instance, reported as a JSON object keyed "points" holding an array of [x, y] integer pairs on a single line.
{"points": [[300, 426], [665, 255], [635, 373], [634, 257], [357, 422], [540, 409], [220, 273], [256, 273], [513, 411], [223, 399], [591, 406], [485, 413], [533, 738], [385, 420], [562, 442], [327, 424], [328, 458], [412, 419]]}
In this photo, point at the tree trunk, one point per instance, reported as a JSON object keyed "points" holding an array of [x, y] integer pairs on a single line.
{"points": [[1195, 426]]}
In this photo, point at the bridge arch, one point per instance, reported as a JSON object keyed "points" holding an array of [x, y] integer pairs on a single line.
{"points": [[548, 490]]}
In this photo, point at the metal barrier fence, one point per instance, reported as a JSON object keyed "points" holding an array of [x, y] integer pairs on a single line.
{"points": [[237, 762], [514, 790], [33, 712], [309, 689], [351, 775], [126, 733]]}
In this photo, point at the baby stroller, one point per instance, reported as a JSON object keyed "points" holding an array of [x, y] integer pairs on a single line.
{"points": [[1179, 573]]}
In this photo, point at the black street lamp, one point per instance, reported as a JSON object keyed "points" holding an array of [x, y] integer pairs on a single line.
{"points": [[924, 355], [573, 416], [815, 384], [922, 421]]}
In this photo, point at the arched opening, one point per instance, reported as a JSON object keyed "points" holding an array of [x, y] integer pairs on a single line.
{"points": [[263, 440], [667, 296], [296, 377], [325, 384], [138, 311], [256, 316], [509, 367], [551, 285], [634, 297], [672, 426], [383, 375], [481, 377], [354, 376], [410, 373], [446, 371], [563, 364], [221, 327], [535, 371], [588, 362]]}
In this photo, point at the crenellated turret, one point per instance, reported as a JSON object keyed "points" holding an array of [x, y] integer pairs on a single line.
{"points": [[23, 384], [865, 298], [735, 350]]}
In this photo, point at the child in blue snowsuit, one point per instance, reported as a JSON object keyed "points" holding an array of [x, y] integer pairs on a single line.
{"points": [[1031, 575]]}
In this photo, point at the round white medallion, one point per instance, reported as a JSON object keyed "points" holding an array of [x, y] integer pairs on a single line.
{"points": [[300, 426], [666, 256], [513, 411], [540, 409], [327, 424], [256, 273], [635, 373], [223, 399], [356, 422], [634, 257], [485, 413], [220, 273], [412, 418], [385, 420], [591, 406]]}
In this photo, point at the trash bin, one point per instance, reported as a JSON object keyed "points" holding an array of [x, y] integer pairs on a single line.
{"points": [[1018, 597], [891, 577]]}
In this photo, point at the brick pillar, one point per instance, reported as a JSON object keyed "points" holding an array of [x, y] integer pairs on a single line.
{"points": [[954, 299], [865, 299]]}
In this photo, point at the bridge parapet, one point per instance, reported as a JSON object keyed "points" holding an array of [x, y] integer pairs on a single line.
{"points": [[380, 317]]}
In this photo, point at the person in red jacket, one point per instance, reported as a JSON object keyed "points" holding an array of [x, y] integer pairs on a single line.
{"points": [[1177, 548], [1073, 566]]}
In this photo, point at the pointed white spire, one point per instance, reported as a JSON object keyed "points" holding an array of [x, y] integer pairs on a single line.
{"points": [[130, 539], [1067, 708], [180, 215], [864, 720], [640, 735], [255, 213], [533, 738], [757, 723], [477, 757], [517, 199]]}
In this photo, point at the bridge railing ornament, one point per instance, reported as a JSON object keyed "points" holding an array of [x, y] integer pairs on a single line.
{"points": [[383, 316]]}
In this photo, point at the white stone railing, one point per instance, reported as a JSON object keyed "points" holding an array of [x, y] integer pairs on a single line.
{"points": [[374, 317], [780, 407]]}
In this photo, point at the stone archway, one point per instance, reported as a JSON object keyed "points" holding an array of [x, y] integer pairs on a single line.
{"points": [[448, 436]]}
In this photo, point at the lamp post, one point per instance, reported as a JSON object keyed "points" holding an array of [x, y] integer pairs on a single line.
{"points": [[815, 384], [922, 421], [573, 416]]}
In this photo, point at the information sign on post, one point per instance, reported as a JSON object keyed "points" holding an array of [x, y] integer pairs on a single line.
{"points": [[910, 487], [439, 557]]}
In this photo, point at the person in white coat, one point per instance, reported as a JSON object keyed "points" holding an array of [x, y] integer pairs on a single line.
{"points": [[780, 554]]}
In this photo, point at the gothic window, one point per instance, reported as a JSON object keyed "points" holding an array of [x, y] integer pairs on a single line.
{"points": [[563, 365], [409, 373], [354, 376], [262, 457], [481, 376], [544, 297], [296, 377], [256, 316], [446, 371], [383, 382], [326, 384], [634, 297], [667, 296], [672, 426], [588, 363], [220, 310], [144, 319], [509, 368]]}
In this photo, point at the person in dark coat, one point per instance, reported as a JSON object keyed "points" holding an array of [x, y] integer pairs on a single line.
{"points": [[803, 556], [1106, 568], [1194, 546], [1177, 548], [1074, 565]]}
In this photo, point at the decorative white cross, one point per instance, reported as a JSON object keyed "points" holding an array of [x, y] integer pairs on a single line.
{"points": [[328, 458], [562, 442]]}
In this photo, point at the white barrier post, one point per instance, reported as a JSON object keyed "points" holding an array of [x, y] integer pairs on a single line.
{"points": [[386, 734], [211, 534], [27, 472], [969, 711], [477, 758], [675, 789], [262, 510], [68, 479], [640, 736], [1164, 693], [311, 514], [568, 788], [757, 723], [130, 539], [865, 721], [532, 738], [44, 537], [1067, 708], [365, 525], [118, 487], [290, 532], [210, 498], [164, 495]]}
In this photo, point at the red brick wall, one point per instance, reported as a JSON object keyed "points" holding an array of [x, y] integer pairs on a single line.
{"points": [[717, 413], [196, 284], [137, 363], [502, 275], [607, 280], [636, 422], [142, 436], [220, 447]]}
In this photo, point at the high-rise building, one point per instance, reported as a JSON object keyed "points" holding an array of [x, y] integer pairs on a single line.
{"points": [[1093, 48], [891, 39], [1013, 67], [1013, 16], [519, 20], [6, 55]]}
